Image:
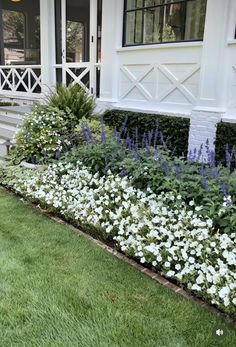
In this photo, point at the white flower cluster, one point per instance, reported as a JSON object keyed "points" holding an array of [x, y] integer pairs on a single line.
{"points": [[160, 230]]}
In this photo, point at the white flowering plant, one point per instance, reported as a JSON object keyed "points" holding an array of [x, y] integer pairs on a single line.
{"points": [[52, 129], [44, 133], [160, 230]]}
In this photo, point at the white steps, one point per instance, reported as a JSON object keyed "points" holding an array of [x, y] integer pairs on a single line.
{"points": [[10, 120]]}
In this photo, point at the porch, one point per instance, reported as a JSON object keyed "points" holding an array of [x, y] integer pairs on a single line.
{"points": [[48, 42]]}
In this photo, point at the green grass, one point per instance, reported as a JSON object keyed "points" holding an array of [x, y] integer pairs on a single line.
{"points": [[58, 289]]}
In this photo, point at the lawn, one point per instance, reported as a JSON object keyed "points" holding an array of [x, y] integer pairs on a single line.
{"points": [[59, 289]]}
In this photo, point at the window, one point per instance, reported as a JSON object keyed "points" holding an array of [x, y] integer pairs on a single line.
{"points": [[156, 21], [19, 32], [13, 36]]}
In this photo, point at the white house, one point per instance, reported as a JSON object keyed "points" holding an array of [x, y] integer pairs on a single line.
{"points": [[175, 57]]}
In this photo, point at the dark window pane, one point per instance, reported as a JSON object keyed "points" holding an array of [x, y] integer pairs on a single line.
{"points": [[13, 36], [133, 4], [77, 31], [195, 20], [152, 25], [173, 22], [20, 33], [134, 28], [155, 21]]}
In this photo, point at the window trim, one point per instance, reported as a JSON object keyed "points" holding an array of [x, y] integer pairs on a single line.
{"points": [[125, 11]]}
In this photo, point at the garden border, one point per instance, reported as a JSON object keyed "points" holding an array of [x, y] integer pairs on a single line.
{"points": [[153, 275], [148, 272]]}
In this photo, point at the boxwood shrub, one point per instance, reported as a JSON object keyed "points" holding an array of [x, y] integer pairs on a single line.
{"points": [[174, 129], [3, 104], [225, 136]]}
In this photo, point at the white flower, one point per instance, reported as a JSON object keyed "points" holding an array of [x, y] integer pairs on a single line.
{"points": [[196, 287], [224, 292], [167, 264]]}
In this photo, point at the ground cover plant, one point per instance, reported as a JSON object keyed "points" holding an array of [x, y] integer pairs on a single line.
{"points": [[157, 229], [58, 289]]}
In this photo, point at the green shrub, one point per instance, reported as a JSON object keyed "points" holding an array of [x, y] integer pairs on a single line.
{"points": [[43, 134], [99, 157], [73, 100], [2, 104], [225, 135], [52, 130], [95, 127], [174, 129]]}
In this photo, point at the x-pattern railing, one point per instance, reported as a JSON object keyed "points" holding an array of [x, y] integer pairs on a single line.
{"points": [[20, 78]]}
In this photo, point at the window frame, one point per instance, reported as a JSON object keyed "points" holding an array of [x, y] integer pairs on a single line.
{"points": [[125, 11]]}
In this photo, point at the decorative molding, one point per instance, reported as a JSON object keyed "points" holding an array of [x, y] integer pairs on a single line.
{"points": [[137, 81]]}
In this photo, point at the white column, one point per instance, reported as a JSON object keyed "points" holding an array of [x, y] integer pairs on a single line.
{"points": [[93, 44], [48, 51], [212, 100], [112, 18]]}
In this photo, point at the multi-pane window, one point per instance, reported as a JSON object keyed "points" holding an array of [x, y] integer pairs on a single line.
{"points": [[156, 21]]}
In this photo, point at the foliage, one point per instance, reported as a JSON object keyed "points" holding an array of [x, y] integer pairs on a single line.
{"points": [[51, 130], [99, 157], [59, 289], [174, 130], [162, 230], [225, 142], [155, 167], [44, 134], [2, 104], [90, 130], [73, 101]]}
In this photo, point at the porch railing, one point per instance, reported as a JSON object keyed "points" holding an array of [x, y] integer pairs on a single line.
{"points": [[20, 79], [84, 74]]}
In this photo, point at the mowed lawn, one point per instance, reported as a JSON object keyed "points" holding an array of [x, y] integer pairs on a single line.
{"points": [[58, 289]]}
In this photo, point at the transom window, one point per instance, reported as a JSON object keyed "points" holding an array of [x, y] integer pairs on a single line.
{"points": [[157, 21]]}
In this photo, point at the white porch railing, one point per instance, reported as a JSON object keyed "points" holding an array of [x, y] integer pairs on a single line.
{"points": [[20, 79], [83, 74]]}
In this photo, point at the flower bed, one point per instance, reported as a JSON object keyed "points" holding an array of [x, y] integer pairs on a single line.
{"points": [[128, 185], [161, 230]]}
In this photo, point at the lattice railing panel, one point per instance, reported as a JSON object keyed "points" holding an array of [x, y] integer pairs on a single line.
{"points": [[23, 79], [74, 73]]}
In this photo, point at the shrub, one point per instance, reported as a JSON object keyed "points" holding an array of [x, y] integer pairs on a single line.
{"points": [[51, 130], [175, 130], [226, 142], [3, 104], [91, 130], [73, 101], [99, 157], [44, 134]]}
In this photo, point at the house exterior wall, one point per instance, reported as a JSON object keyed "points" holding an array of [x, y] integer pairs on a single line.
{"points": [[190, 79], [195, 80]]}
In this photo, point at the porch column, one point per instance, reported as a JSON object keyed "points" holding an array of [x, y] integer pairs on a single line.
{"points": [[48, 51], [112, 14], [212, 100], [2, 57]]}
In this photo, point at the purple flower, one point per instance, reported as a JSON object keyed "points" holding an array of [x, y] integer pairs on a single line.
{"points": [[204, 179], [156, 135]]}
